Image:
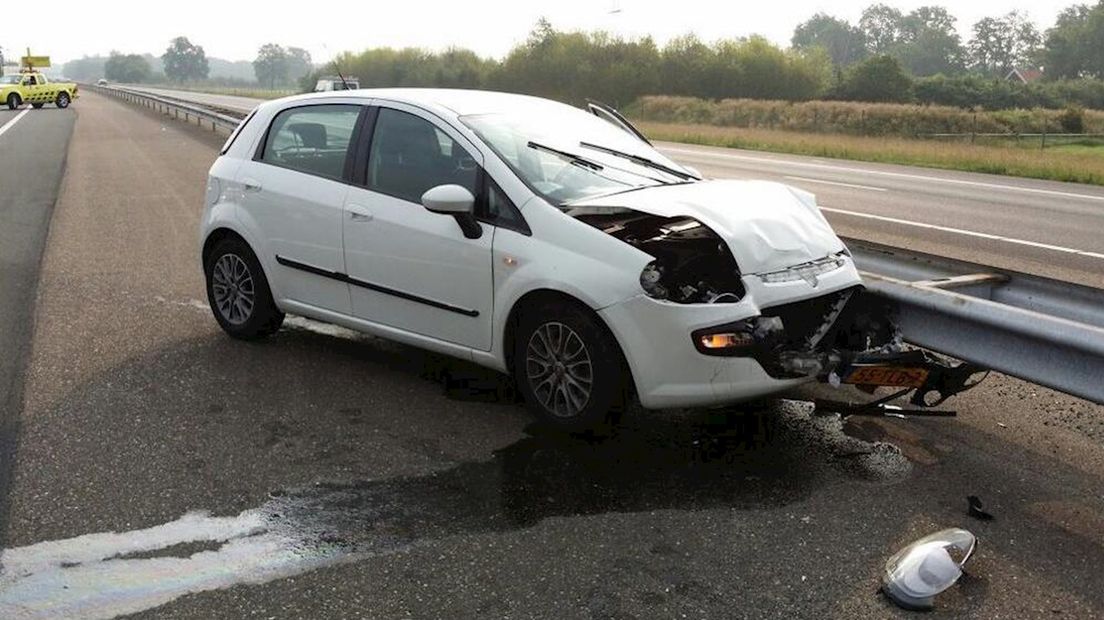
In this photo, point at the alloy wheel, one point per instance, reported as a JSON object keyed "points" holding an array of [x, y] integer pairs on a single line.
{"points": [[559, 369], [232, 285]]}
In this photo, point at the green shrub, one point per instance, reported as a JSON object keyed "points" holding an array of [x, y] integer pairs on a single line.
{"points": [[1072, 119], [856, 118]]}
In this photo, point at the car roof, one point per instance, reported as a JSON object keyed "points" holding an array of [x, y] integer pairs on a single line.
{"points": [[459, 101]]}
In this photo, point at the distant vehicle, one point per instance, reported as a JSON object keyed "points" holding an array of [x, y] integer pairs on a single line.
{"points": [[36, 89], [334, 82], [101, 82], [538, 240]]}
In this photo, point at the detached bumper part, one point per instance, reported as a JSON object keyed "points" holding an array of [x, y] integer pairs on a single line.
{"points": [[934, 379]]}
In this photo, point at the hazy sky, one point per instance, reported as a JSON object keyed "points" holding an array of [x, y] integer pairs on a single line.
{"points": [[234, 29]]}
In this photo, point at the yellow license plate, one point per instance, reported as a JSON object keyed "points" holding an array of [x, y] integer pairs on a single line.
{"points": [[887, 375]]}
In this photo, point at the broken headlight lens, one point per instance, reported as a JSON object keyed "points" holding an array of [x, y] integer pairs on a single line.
{"points": [[915, 574]]}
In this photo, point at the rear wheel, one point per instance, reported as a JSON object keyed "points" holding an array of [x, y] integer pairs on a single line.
{"points": [[238, 292], [62, 100], [568, 366], [14, 101]]}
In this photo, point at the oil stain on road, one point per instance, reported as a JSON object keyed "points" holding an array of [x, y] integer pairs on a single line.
{"points": [[724, 460]]}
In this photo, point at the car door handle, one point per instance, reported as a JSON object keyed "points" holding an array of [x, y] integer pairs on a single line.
{"points": [[251, 185], [359, 214]]}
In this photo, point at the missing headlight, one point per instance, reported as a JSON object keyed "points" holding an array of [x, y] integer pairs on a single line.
{"points": [[692, 265]]}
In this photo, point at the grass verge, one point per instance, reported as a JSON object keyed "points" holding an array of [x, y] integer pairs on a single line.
{"points": [[1073, 165]]}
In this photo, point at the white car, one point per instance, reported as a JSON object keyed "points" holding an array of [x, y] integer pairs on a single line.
{"points": [[535, 238]]}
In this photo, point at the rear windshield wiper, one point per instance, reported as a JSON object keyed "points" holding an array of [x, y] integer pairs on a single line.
{"points": [[578, 160], [643, 161]]}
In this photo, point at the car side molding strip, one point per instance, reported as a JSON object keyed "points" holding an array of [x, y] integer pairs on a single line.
{"points": [[342, 277]]}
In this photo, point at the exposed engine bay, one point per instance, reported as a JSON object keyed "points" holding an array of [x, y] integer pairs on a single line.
{"points": [[693, 264]]}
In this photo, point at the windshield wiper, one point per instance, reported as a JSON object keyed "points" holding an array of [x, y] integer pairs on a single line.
{"points": [[578, 160], [583, 162], [643, 161]]}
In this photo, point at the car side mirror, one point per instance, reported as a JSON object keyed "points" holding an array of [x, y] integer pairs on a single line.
{"points": [[456, 201], [449, 200]]}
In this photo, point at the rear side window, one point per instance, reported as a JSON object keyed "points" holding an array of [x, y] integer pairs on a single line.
{"points": [[313, 139], [410, 155], [237, 131]]}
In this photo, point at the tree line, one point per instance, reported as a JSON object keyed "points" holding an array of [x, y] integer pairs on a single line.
{"points": [[183, 61], [887, 56], [926, 42]]}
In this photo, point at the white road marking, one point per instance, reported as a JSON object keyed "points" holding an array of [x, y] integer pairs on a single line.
{"points": [[103, 575], [13, 121], [852, 185], [884, 173], [971, 233], [292, 321]]}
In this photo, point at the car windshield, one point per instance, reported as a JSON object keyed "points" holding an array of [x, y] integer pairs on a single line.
{"points": [[548, 150], [9, 79]]}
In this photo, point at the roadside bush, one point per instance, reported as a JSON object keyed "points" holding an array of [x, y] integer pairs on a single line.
{"points": [[994, 94], [1072, 119], [856, 118], [877, 79]]}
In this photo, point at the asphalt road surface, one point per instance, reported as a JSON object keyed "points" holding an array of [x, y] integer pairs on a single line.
{"points": [[166, 471], [1046, 228]]}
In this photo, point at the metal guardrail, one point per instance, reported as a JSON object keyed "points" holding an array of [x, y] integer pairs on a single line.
{"points": [[1044, 331], [179, 109]]}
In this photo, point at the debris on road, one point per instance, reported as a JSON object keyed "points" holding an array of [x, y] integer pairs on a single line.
{"points": [[916, 574], [976, 510]]}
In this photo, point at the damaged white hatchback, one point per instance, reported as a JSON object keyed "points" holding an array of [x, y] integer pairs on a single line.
{"points": [[541, 240]]}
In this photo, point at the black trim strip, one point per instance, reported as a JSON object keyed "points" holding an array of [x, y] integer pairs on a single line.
{"points": [[341, 277]]}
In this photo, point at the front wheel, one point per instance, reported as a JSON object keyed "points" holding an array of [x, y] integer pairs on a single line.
{"points": [[238, 292], [62, 100], [14, 101], [568, 367]]}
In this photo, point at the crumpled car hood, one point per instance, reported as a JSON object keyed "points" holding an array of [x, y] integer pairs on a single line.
{"points": [[768, 226]]}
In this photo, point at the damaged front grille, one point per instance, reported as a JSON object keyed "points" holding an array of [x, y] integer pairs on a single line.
{"points": [[808, 337], [806, 323]]}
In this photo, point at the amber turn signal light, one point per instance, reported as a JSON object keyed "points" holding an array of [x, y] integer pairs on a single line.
{"points": [[725, 340]]}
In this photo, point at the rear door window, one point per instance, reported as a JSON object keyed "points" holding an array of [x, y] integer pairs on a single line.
{"points": [[312, 139]]}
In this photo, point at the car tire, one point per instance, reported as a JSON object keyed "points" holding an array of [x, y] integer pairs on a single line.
{"points": [[568, 367], [14, 101], [62, 100], [238, 291]]}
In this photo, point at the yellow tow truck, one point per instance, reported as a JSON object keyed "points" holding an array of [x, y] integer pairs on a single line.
{"points": [[32, 86]]}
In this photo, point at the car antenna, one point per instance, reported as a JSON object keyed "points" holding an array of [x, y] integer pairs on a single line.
{"points": [[343, 82], [337, 68]]}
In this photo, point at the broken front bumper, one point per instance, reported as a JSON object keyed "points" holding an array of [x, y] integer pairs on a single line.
{"points": [[844, 337], [837, 337]]}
